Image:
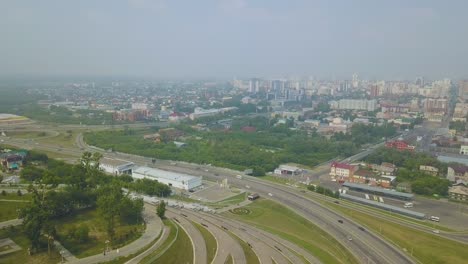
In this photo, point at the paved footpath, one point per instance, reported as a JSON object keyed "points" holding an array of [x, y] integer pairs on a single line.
{"points": [[13, 222], [155, 246], [154, 226]]}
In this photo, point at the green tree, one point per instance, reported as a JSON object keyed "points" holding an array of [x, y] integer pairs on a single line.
{"points": [[36, 215], [109, 206], [161, 209], [81, 234]]}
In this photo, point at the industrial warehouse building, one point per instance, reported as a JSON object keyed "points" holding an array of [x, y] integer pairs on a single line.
{"points": [[174, 179]]}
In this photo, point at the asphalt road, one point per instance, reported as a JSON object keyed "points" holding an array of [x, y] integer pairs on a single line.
{"points": [[196, 238]]}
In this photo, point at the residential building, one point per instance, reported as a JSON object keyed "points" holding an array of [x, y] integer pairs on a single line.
{"points": [[464, 149], [399, 145], [355, 104], [429, 170], [458, 192], [384, 169], [341, 171], [463, 90], [457, 173], [364, 176]]}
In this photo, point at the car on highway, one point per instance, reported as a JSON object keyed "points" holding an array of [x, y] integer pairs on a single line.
{"points": [[350, 238], [435, 231], [270, 194], [340, 221], [361, 228]]}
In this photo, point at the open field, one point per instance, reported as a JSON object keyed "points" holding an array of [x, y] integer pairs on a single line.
{"points": [[250, 255], [279, 220], [124, 233], [210, 242], [173, 255], [22, 255], [27, 134], [64, 139], [427, 248]]}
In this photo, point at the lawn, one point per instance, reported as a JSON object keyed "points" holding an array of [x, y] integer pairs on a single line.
{"points": [[173, 234], [9, 209], [426, 247], [124, 233], [210, 241], [15, 196], [250, 255], [278, 219], [173, 254], [22, 255]]}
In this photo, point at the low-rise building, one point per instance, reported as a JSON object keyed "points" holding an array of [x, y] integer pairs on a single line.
{"points": [[116, 166], [399, 145], [364, 176], [459, 192], [341, 171], [173, 179], [384, 169], [12, 160], [457, 173], [288, 170], [429, 170], [464, 149]]}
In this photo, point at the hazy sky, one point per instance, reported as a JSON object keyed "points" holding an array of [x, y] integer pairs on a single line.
{"points": [[227, 38]]}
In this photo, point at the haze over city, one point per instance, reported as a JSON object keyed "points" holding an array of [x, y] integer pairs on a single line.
{"points": [[234, 38]]}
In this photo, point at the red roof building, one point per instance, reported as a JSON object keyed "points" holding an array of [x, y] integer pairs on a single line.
{"points": [[248, 129], [341, 171], [400, 145]]}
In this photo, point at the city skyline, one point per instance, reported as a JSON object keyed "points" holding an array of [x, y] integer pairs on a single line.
{"points": [[223, 39]]}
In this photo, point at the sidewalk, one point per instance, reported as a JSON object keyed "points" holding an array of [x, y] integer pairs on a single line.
{"points": [[154, 226], [13, 222]]}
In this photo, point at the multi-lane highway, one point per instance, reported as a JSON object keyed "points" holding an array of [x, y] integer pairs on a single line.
{"points": [[366, 246]]}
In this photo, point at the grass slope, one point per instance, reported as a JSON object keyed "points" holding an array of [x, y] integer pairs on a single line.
{"points": [[210, 241], [173, 233], [282, 221], [250, 255], [427, 248], [174, 254]]}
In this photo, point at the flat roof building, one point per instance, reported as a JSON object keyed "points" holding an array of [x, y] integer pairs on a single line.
{"points": [[383, 206], [379, 191], [174, 179], [116, 166]]}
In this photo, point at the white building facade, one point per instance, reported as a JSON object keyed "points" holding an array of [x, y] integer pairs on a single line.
{"points": [[173, 179]]}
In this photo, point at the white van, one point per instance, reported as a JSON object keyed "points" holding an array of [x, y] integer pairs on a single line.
{"points": [[408, 205]]}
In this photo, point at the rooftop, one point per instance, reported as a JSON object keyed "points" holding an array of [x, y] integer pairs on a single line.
{"points": [[169, 175], [459, 189], [376, 189], [341, 165], [115, 162]]}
